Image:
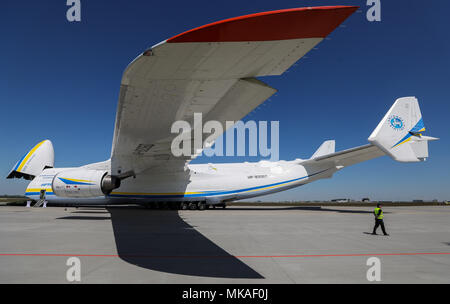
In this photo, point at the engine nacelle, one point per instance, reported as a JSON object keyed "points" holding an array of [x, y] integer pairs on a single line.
{"points": [[81, 183]]}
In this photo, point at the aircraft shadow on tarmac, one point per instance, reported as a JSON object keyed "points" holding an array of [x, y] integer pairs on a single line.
{"points": [[90, 212], [162, 241], [84, 218]]}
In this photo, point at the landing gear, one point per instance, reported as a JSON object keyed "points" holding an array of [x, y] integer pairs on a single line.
{"points": [[196, 206]]}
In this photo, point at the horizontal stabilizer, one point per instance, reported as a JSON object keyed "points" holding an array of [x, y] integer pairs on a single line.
{"points": [[347, 158]]}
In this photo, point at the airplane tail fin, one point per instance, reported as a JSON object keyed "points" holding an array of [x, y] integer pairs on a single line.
{"points": [[399, 134], [328, 147], [34, 162]]}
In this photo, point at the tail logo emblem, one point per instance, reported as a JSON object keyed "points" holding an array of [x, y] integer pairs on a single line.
{"points": [[396, 123]]}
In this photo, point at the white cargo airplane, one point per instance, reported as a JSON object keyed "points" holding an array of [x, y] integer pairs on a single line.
{"points": [[211, 70]]}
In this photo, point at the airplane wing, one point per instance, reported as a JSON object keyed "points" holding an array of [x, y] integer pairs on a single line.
{"points": [[209, 70]]}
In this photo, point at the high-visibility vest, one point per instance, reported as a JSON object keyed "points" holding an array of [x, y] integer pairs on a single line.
{"points": [[379, 213]]}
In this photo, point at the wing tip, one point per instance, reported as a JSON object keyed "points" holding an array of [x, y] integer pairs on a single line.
{"points": [[294, 23]]}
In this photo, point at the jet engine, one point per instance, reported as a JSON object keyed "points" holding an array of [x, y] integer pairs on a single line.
{"points": [[82, 183]]}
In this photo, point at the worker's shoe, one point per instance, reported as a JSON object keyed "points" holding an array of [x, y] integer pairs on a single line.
{"points": [[374, 234]]}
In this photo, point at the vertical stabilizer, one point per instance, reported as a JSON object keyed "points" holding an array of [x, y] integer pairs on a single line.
{"points": [[34, 162], [399, 134]]}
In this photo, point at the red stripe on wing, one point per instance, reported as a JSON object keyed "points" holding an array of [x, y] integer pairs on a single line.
{"points": [[297, 23]]}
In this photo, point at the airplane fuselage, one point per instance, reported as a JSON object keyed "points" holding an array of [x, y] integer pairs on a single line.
{"points": [[210, 183]]}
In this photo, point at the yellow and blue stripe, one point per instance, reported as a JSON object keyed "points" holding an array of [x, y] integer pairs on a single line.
{"points": [[37, 191], [418, 128], [79, 182], [21, 163], [210, 193]]}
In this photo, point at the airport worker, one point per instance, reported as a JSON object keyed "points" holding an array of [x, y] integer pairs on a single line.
{"points": [[379, 216]]}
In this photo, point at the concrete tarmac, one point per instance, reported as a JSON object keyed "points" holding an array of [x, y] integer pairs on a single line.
{"points": [[237, 245]]}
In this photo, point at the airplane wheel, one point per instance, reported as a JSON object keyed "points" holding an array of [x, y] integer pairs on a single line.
{"points": [[184, 206], [201, 206], [192, 206], [224, 206]]}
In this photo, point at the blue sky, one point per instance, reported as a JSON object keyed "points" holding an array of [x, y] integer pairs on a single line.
{"points": [[60, 81]]}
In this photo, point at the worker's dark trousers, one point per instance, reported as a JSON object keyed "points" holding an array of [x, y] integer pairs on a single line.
{"points": [[379, 223]]}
